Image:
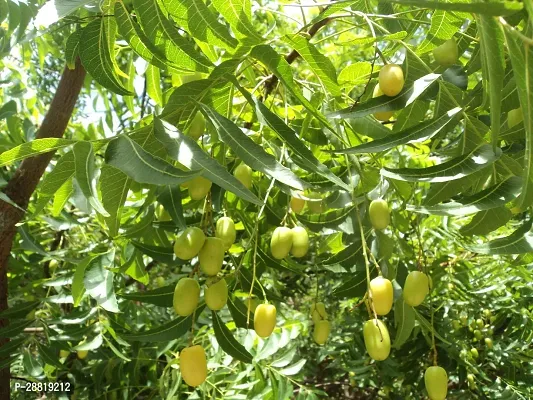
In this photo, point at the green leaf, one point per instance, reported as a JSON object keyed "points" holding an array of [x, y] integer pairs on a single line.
{"points": [[251, 153], [455, 168], [161, 254], [126, 155], [14, 328], [489, 8], [92, 344], [61, 197], [32, 364], [487, 221], [197, 19], [493, 61], [355, 74], [228, 343], [355, 286], [239, 312], [85, 174], [20, 310], [444, 25], [33, 148], [153, 84], [98, 282], [78, 287], [188, 153], [519, 242], [11, 347], [49, 356], [293, 369], [321, 65], [162, 297], [96, 57], [239, 14], [170, 198], [424, 323], [385, 103], [421, 132], [492, 197], [53, 11], [8, 109], [404, 320], [439, 192], [114, 186]]}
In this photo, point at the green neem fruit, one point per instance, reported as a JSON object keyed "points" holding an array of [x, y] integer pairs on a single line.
{"points": [[160, 281], [379, 214], [487, 313], [515, 117], [318, 312], [216, 294], [300, 242], [225, 231], [470, 378], [382, 295], [265, 320], [199, 187], [297, 204], [321, 332], [447, 53], [53, 265], [189, 243], [186, 296], [456, 325], [211, 256], [244, 174], [377, 339], [197, 127], [436, 381], [391, 79], [479, 323], [474, 352], [383, 115], [316, 207], [477, 334], [488, 343], [193, 365], [281, 242], [416, 288]]}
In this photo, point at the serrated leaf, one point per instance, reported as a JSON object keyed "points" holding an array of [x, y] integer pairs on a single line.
{"points": [[355, 74], [49, 357], [20, 310], [98, 282], [428, 328], [519, 242], [78, 287], [33, 148], [239, 14], [54, 10], [443, 26], [355, 286], [61, 197], [162, 297], [228, 342], [170, 198], [11, 347], [114, 186], [96, 57], [489, 8], [143, 167], [421, 132], [153, 84], [92, 344], [455, 168], [239, 312], [404, 320], [158, 253], [14, 328], [487, 221], [293, 369]]}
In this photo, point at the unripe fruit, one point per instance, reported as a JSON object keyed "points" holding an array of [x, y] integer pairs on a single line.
{"points": [[464, 319], [197, 127], [300, 242], [377, 339], [416, 288], [265, 320], [82, 354], [477, 334], [211, 256], [281, 242], [470, 378], [488, 343], [447, 53], [186, 296], [321, 332], [318, 312], [216, 295], [244, 174], [297, 204], [456, 325], [391, 79], [379, 214], [316, 207], [515, 117], [474, 352], [382, 295], [436, 381], [487, 313], [479, 323], [189, 243], [199, 187], [193, 365], [63, 353], [383, 115], [225, 230], [53, 265], [160, 281]]}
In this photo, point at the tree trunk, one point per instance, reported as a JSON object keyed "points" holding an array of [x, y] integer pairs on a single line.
{"points": [[24, 181]]}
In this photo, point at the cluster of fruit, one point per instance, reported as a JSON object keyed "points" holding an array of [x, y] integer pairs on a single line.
{"points": [[320, 320]]}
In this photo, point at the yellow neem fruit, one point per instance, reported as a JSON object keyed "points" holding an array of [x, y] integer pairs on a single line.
{"points": [[281, 242], [216, 294], [436, 381], [321, 332], [318, 312], [377, 339], [447, 53], [379, 214], [199, 187], [211, 256], [384, 115], [189, 243], [197, 127], [225, 230], [515, 117], [63, 353], [391, 79], [382, 295], [244, 174], [186, 296], [265, 320], [300, 241], [297, 204], [193, 365], [416, 288], [82, 354]]}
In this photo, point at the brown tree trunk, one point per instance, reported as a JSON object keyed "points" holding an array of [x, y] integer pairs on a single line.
{"points": [[24, 181]]}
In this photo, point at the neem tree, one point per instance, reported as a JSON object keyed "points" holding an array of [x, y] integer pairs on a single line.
{"points": [[236, 188]]}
